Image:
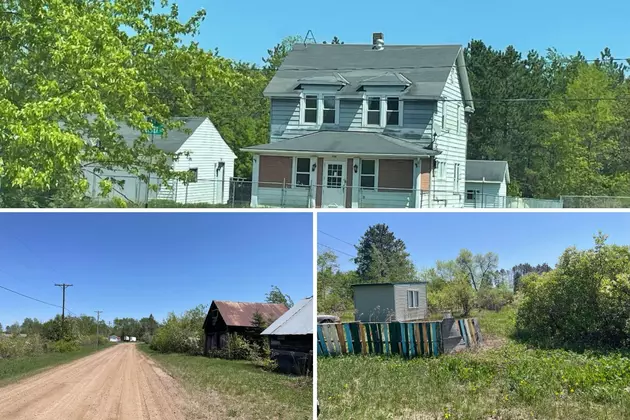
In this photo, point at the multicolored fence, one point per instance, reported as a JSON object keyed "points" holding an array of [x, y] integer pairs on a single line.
{"points": [[409, 339]]}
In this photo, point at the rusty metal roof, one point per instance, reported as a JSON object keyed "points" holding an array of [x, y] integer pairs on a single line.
{"points": [[239, 314]]}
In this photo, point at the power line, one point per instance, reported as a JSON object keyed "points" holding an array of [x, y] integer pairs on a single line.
{"points": [[334, 237], [29, 297], [336, 250]]}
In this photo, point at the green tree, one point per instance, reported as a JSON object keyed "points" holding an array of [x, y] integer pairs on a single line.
{"points": [[276, 296], [277, 54], [69, 73], [334, 292], [31, 326], [382, 258], [481, 269], [259, 321]]}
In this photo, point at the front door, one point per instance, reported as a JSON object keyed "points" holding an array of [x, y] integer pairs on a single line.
{"points": [[334, 188]]}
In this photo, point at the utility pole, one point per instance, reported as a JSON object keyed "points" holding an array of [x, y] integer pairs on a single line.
{"points": [[98, 318], [64, 286]]}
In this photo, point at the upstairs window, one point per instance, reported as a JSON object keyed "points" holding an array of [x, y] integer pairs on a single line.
{"points": [[393, 111], [368, 174], [456, 177], [374, 111], [303, 172], [439, 170], [310, 109], [329, 110]]}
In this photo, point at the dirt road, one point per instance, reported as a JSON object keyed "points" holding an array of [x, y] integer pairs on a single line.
{"points": [[119, 383]]}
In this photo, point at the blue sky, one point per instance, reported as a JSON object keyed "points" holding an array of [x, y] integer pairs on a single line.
{"points": [[245, 30], [131, 265], [516, 237]]}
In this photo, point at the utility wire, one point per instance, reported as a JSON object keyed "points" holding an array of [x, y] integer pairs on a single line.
{"points": [[336, 250], [334, 237], [29, 297]]}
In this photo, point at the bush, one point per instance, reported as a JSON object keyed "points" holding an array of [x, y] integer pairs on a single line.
{"points": [[12, 347], [583, 303], [64, 346], [183, 334], [453, 295], [494, 298]]}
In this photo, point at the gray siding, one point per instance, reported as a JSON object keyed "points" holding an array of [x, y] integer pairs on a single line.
{"points": [[490, 195], [417, 120], [403, 312], [374, 303]]}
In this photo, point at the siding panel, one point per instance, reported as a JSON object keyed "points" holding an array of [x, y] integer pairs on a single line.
{"points": [[403, 312]]}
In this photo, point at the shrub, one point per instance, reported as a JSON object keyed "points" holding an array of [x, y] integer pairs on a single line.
{"points": [[494, 298], [452, 295], [183, 334], [64, 346], [583, 303], [12, 347]]}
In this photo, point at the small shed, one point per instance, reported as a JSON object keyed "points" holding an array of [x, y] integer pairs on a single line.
{"points": [[291, 338], [486, 183], [225, 317], [387, 302]]}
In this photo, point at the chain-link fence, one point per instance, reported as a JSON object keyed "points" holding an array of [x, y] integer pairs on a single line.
{"points": [[240, 192], [595, 202]]}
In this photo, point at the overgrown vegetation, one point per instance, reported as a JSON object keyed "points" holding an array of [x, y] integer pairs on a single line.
{"points": [[555, 350], [237, 388]]}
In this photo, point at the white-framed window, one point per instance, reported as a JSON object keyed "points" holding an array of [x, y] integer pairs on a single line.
{"points": [[310, 109], [368, 174], [318, 109], [444, 113], [303, 172], [413, 299], [373, 110], [459, 108], [194, 175], [393, 112], [456, 177], [439, 170], [329, 112], [472, 194]]}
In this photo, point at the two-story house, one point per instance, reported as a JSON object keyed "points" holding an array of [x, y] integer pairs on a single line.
{"points": [[366, 126]]}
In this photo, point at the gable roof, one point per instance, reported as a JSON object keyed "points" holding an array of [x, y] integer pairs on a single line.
{"points": [[296, 321], [487, 171], [350, 142], [174, 139], [426, 67], [239, 314]]}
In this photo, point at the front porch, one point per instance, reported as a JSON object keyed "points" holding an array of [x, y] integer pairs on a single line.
{"points": [[334, 182]]}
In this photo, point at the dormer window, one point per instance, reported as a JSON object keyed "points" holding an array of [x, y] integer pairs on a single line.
{"points": [[319, 109], [383, 111], [310, 109]]}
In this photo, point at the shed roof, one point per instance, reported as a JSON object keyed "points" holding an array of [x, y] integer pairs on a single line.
{"points": [[296, 321], [239, 314], [487, 170], [346, 142], [390, 284], [426, 67], [174, 139]]}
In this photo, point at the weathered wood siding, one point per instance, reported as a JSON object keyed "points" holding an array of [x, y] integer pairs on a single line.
{"points": [[403, 312]]}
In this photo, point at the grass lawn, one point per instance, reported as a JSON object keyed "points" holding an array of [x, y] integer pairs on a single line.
{"points": [[507, 380], [15, 369], [238, 389]]}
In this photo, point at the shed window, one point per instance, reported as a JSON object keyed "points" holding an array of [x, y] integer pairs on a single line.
{"points": [[472, 194], [194, 174], [393, 111], [374, 111], [329, 110], [303, 172], [368, 174], [310, 109], [413, 299]]}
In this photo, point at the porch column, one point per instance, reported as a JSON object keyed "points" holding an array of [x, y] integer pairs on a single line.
{"points": [[356, 183], [313, 188], [417, 183], [255, 172]]}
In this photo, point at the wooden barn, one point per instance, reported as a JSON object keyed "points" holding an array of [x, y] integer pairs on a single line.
{"points": [[291, 339], [225, 317]]}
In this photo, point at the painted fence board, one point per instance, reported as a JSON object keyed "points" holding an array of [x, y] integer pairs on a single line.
{"points": [[409, 339]]}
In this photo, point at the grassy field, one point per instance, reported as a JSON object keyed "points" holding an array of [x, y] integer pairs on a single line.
{"points": [[17, 368], [506, 380], [238, 389]]}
